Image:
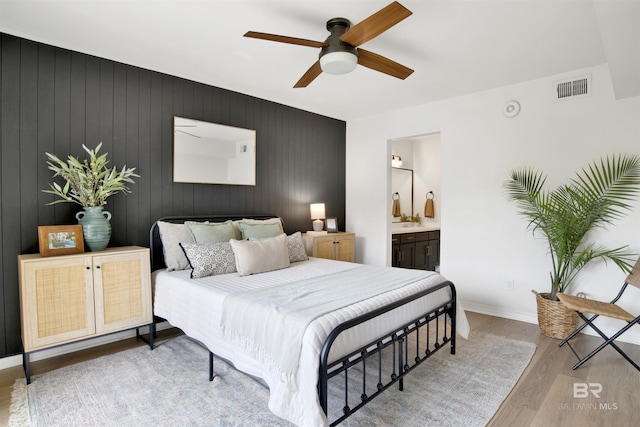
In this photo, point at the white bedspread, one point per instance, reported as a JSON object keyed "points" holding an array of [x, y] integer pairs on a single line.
{"points": [[195, 306]]}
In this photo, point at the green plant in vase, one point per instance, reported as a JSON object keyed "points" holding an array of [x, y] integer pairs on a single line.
{"points": [[594, 198], [89, 183]]}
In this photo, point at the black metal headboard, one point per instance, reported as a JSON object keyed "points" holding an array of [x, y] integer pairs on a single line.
{"points": [[155, 244]]}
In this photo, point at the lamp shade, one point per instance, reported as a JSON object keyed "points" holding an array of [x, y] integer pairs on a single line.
{"points": [[317, 211], [338, 62]]}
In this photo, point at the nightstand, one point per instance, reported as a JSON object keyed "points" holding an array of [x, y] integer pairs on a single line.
{"points": [[340, 246]]}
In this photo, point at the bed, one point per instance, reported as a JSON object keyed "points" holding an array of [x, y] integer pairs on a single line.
{"points": [[315, 346]]}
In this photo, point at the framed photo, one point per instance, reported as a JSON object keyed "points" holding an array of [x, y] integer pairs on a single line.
{"points": [[332, 225], [60, 240]]}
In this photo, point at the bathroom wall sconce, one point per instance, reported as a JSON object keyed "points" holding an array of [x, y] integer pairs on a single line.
{"points": [[396, 161], [317, 214]]}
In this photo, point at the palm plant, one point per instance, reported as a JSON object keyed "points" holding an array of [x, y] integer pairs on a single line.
{"points": [[596, 197]]}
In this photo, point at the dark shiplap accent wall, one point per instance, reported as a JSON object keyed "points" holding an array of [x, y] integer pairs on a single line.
{"points": [[55, 100]]}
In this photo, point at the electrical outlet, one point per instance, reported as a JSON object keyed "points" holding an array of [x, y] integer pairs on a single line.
{"points": [[511, 285]]}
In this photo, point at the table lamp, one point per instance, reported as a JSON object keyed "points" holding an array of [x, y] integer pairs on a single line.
{"points": [[317, 214]]}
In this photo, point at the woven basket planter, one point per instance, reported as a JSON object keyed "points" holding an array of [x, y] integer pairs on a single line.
{"points": [[554, 319]]}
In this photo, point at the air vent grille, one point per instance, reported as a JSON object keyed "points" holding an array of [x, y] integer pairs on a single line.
{"points": [[574, 87]]}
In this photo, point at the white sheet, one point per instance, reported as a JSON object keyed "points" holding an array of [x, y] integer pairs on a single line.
{"points": [[195, 306]]}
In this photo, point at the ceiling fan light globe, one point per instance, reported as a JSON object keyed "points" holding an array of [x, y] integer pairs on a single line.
{"points": [[338, 62]]}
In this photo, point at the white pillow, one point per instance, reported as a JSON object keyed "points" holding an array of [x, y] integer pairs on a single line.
{"points": [[172, 235], [262, 221], [261, 255]]}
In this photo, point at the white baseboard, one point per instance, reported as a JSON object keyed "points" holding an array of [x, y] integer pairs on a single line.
{"points": [[12, 361], [498, 312], [524, 317]]}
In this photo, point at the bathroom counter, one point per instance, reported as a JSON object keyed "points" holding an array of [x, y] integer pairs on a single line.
{"points": [[396, 229]]}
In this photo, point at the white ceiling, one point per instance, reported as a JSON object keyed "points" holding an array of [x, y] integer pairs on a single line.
{"points": [[455, 47]]}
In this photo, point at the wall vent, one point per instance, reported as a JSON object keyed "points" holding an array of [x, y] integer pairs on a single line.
{"points": [[572, 88]]}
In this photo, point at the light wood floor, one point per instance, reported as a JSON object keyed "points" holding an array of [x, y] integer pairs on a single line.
{"points": [[542, 397]]}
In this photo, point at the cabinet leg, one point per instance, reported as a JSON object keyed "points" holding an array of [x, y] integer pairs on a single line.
{"points": [[152, 334], [211, 373], [26, 364]]}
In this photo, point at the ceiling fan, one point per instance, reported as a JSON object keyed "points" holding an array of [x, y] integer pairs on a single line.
{"points": [[340, 53]]}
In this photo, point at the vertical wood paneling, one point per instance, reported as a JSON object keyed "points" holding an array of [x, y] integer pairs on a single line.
{"points": [[92, 100], [132, 154], [117, 145], [10, 192], [154, 174], [143, 153], [44, 125], [54, 100], [166, 141], [29, 145]]}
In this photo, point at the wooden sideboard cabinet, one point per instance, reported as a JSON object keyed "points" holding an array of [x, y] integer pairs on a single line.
{"points": [[419, 250], [339, 246], [73, 297]]}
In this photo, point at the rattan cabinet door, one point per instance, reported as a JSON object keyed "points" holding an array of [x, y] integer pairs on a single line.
{"points": [[345, 247], [324, 247], [56, 297], [122, 290], [337, 246]]}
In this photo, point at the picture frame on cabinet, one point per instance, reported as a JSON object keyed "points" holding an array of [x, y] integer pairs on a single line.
{"points": [[60, 240], [332, 225]]}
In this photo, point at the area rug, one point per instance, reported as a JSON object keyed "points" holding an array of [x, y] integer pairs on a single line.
{"points": [[169, 387]]}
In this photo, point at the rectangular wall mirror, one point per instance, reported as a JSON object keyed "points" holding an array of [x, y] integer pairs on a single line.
{"points": [[402, 184], [209, 153]]}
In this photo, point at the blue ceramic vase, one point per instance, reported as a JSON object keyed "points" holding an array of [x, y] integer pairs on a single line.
{"points": [[96, 228]]}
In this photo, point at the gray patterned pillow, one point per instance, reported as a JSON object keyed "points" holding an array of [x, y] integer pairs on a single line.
{"points": [[207, 259], [297, 252]]}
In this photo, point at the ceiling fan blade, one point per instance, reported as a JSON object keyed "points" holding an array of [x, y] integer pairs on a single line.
{"points": [[382, 64], [376, 24], [314, 71], [284, 39]]}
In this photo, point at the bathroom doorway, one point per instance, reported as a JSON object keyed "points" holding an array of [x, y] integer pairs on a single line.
{"points": [[415, 173]]}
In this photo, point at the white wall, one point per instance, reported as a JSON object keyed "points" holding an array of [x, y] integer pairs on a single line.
{"points": [[484, 242], [428, 171]]}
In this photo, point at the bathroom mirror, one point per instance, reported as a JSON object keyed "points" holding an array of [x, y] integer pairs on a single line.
{"points": [[402, 183], [209, 153]]}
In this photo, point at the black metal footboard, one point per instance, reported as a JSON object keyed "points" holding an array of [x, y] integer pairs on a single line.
{"points": [[386, 360]]}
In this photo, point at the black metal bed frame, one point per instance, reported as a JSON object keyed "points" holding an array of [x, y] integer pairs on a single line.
{"points": [[397, 339]]}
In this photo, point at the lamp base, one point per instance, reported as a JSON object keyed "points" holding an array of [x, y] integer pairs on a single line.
{"points": [[318, 225]]}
